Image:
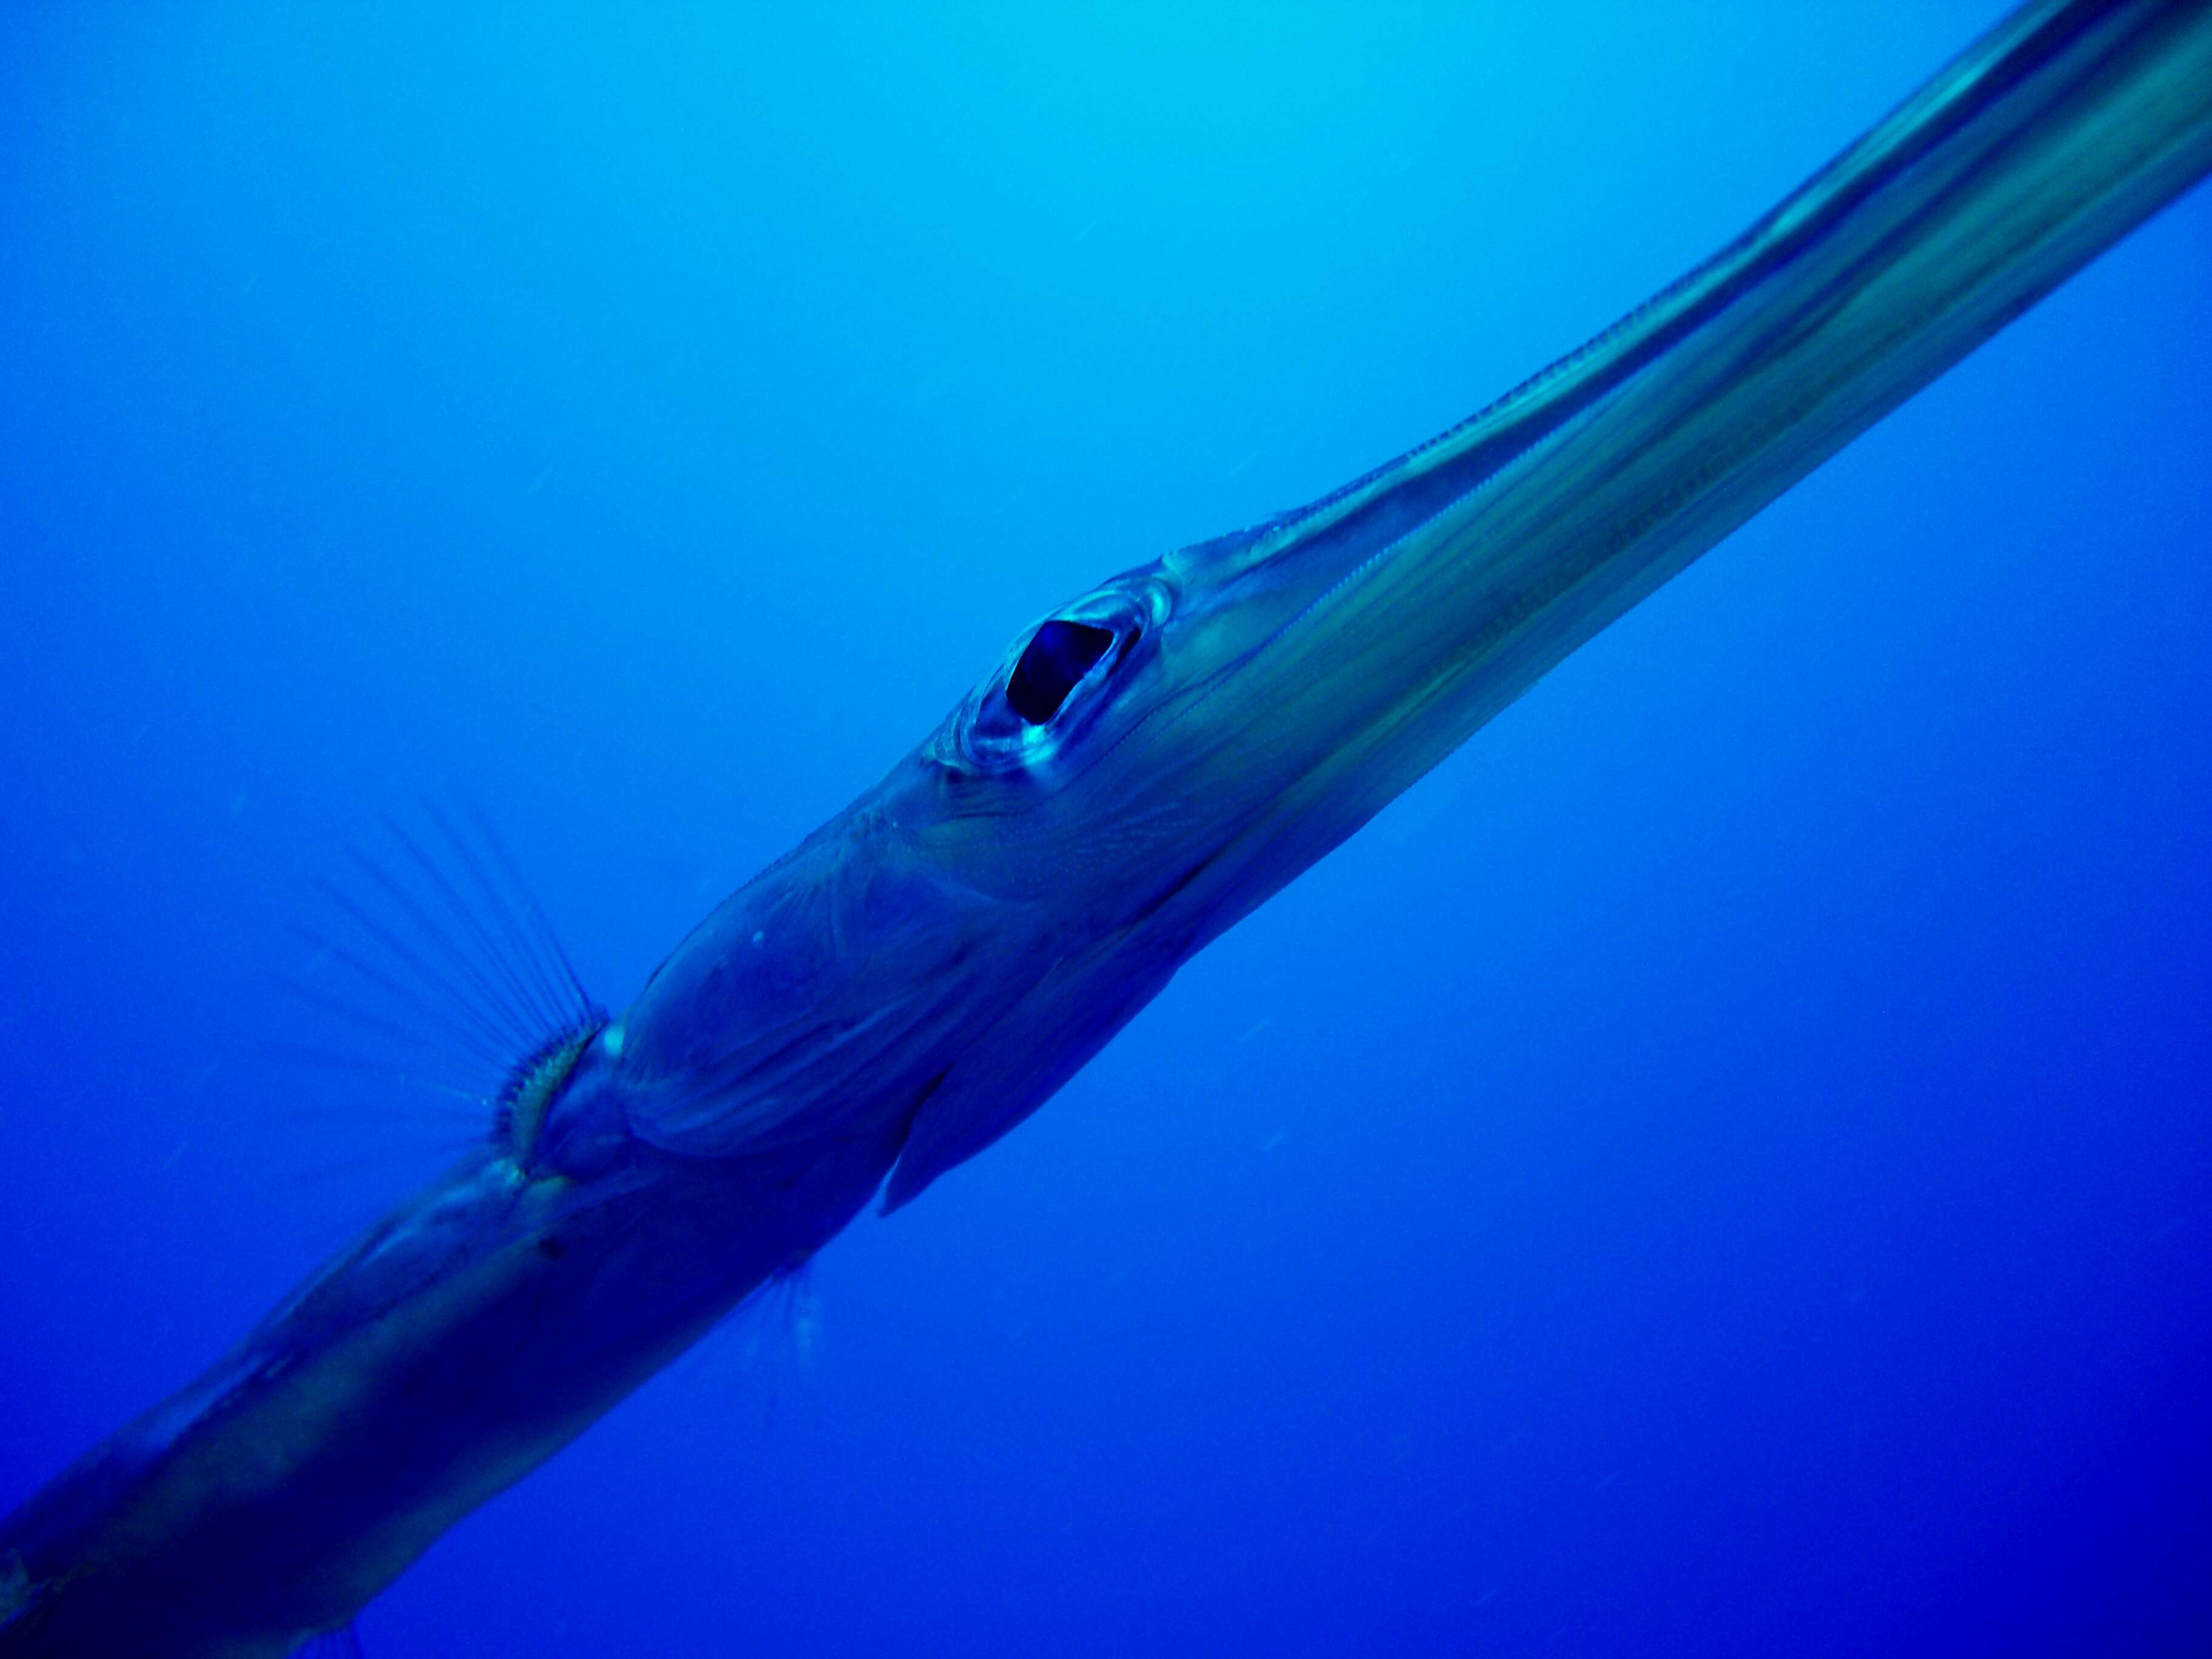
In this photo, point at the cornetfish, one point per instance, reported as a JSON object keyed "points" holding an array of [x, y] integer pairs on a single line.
{"points": [[1144, 766]]}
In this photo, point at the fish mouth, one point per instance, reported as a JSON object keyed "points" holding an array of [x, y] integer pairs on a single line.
{"points": [[1324, 659]]}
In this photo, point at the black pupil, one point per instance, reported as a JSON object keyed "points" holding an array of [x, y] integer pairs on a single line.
{"points": [[1062, 654]]}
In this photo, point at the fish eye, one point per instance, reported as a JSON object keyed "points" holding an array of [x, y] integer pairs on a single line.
{"points": [[1033, 711], [1052, 664]]}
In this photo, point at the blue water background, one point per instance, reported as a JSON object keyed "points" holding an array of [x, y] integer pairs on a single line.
{"points": [[1722, 1167]]}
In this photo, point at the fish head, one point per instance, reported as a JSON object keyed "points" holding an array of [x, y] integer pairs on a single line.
{"points": [[1165, 752]]}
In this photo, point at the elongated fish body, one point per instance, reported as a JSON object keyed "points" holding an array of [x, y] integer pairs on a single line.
{"points": [[1144, 767]]}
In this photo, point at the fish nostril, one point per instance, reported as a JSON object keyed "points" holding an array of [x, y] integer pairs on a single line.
{"points": [[1056, 660]]}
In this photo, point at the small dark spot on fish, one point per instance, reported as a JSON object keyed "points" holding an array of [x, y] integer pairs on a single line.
{"points": [[551, 1247]]}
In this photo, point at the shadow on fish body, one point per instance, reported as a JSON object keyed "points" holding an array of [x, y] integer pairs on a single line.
{"points": [[1144, 767]]}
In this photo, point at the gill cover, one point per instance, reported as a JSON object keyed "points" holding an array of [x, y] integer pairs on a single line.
{"points": [[821, 996], [937, 951]]}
